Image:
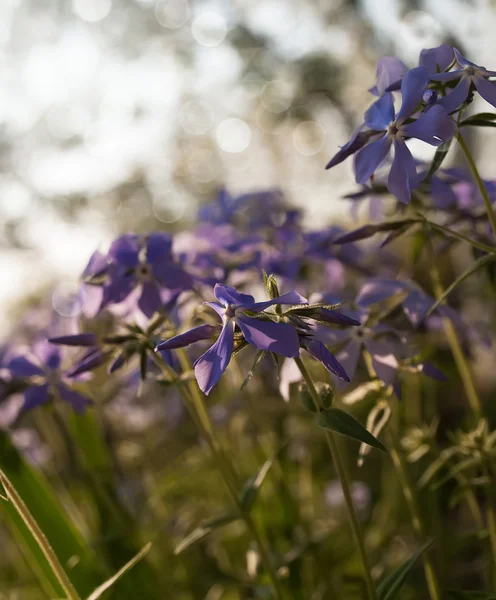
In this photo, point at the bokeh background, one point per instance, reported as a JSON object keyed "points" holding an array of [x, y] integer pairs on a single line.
{"points": [[121, 115], [127, 115]]}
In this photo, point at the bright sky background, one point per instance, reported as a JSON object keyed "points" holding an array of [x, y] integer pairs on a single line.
{"points": [[93, 92]]}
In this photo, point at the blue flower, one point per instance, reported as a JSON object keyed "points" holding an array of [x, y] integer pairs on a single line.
{"points": [[383, 129], [41, 372], [470, 76], [145, 263], [235, 308]]}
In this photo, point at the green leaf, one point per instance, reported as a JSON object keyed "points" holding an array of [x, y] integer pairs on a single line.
{"points": [[480, 120], [478, 264], [39, 537], [389, 588], [438, 159], [256, 362], [461, 237], [201, 532], [342, 422], [464, 595], [101, 589], [251, 488], [43, 504]]}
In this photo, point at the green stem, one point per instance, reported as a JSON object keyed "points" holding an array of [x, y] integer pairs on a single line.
{"points": [[195, 404], [430, 574], [40, 537], [480, 184], [343, 478], [409, 494], [491, 525], [454, 343]]}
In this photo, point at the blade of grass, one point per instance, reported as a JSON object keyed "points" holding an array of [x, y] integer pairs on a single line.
{"points": [[40, 537]]}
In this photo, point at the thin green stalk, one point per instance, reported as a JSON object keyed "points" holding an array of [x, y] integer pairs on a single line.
{"points": [[480, 184], [491, 524], [408, 491], [196, 406], [345, 485], [40, 537], [454, 343]]}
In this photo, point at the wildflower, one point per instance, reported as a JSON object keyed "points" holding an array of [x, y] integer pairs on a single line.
{"points": [[282, 333], [383, 129], [44, 379], [134, 262], [470, 77], [234, 309]]}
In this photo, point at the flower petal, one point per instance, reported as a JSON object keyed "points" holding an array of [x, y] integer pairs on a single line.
{"points": [[403, 174], [450, 76], [150, 301], [21, 367], [412, 89], [457, 96], [370, 157], [88, 363], [158, 247], [35, 395], [433, 127], [292, 297], [358, 140], [381, 113], [378, 290], [75, 399], [486, 89], [203, 332], [349, 356], [383, 360], [79, 339], [125, 250], [437, 59], [321, 354], [280, 338], [226, 295], [389, 72], [211, 365], [461, 60]]}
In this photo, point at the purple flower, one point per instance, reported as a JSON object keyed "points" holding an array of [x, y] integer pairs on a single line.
{"points": [[235, 309], [145, 263], [41, 372], [94, 357], [389, 72], [385, 129], [470, 77]]}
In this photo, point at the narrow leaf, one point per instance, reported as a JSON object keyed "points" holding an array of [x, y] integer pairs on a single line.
{"points": [[256, 362], [438, 159], [342, 422], [250, 490], [460, 236], [390, 587], [367, 231], [110, 582], [478, 264], [40, 537], [465, 595], [201, 532]]}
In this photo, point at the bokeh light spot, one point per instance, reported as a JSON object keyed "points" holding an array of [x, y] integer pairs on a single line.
{"points": [[172, 14], [309, 137], [233, 135], [92, 10], [209, 28], [196, 117], [68, 299], [276, 96]]}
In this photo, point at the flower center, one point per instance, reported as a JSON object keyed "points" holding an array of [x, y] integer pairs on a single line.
{"points": [[144, 272], [230, 310], [393, 130]]}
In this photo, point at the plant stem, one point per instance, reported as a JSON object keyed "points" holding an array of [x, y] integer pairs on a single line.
{"points": [[195, 404], [480, 184], [345, 485], [408, 491], [40, 537], [454, 343]]}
